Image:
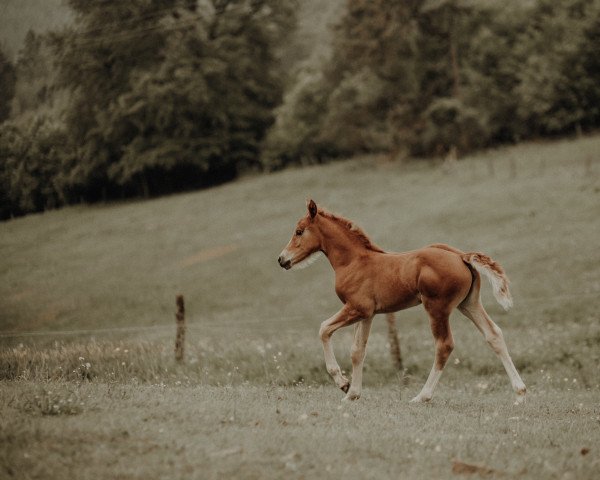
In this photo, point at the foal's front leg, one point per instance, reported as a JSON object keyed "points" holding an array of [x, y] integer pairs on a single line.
{"points": [[346, 316], [359, 349]]}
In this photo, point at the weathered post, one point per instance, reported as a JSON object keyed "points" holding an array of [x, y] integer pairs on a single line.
{"points": [[491, 169], [394, 342], [180, 335], [513, 167], [450, 160]]}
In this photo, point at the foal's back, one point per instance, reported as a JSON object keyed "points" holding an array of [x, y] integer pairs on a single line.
{"points": [[405, 279]]}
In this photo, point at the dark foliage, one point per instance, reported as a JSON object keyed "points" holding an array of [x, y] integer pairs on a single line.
{"points": [[147, 97], [7, 85], [426, 77]]}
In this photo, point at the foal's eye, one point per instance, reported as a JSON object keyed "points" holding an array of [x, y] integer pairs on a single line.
{"points": [[298, 232]]}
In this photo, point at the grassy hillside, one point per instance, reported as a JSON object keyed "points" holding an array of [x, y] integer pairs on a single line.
{"points": [[122, 264], [112, 271], [91, 387]]}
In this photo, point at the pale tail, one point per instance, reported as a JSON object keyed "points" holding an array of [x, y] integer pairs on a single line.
{"points": [[494, 273]]}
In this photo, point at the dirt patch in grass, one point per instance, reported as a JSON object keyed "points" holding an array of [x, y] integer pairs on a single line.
{"points": [[208, 254]]}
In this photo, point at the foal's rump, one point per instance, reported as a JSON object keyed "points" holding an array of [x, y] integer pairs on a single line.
{"points": [[489, 268]]}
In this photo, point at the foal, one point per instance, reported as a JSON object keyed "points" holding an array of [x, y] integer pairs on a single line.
{"points": [[370, 281]]}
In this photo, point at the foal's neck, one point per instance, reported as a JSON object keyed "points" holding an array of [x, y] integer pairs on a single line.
{"points": [[339, 246]]}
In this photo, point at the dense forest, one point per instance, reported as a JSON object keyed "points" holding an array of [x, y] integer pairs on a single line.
{"points": [[147, 97]]}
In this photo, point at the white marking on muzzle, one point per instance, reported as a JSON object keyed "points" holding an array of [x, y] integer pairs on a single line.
{"points": [[285, 256]]}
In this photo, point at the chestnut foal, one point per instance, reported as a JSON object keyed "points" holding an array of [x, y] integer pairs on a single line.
{"points": [[370, 281]]}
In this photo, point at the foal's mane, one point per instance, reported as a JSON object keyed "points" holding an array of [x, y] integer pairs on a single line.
{"points": [[353, 229]]}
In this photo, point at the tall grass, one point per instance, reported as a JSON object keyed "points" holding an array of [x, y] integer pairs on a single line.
{"points": [[568, 352]]}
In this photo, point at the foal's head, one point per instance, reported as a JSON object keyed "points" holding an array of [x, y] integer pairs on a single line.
{"points": [[305, 244]]}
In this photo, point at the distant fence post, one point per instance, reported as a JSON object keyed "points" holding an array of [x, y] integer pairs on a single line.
{"points": [[491, 169], [513, 167], [394, 342], [180, 335]]}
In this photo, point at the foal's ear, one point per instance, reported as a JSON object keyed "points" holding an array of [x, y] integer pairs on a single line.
{"points": [[312, 208]]}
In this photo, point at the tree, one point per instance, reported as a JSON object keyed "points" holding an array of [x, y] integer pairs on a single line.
{"points": [[432, 76], [557, 86], [169, 96], [32, 163], [340, 106], [163, 95], [292, 138], [585, 78], [376, 62], [7, 85], [96, 59]]}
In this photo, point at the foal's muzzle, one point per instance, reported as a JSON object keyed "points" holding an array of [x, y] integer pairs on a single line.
{"points": [[283, 263]]}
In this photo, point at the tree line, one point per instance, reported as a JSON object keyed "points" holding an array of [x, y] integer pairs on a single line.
{"points": [[148, 97], [431, 77]]}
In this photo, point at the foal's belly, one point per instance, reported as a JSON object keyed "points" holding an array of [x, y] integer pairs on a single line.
{"points": [[394, 288], [398, 303]]}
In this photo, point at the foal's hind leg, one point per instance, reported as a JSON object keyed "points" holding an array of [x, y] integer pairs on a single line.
{"points": [[473, 309], [359, 348], [444, 344]]}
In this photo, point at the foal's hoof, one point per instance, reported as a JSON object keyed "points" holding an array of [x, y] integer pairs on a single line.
{"points": [[351, 396], [345, 387], [420, 399], [520, 395]]}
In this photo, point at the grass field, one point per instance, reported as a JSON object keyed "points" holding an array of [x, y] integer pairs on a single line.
{"points": [[89, 388]]}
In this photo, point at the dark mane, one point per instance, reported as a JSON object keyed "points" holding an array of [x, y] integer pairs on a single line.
{"points": [[353, 229]]}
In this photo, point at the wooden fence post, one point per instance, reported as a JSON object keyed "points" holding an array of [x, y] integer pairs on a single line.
{"points": [[491, 169], [513, 167], [180, 335], [394, 342]]}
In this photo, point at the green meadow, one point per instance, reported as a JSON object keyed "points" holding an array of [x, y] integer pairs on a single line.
{"points": [[89, 387]]}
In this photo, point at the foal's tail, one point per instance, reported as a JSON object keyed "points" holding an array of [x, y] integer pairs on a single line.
{"points": [[494, 273]]}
